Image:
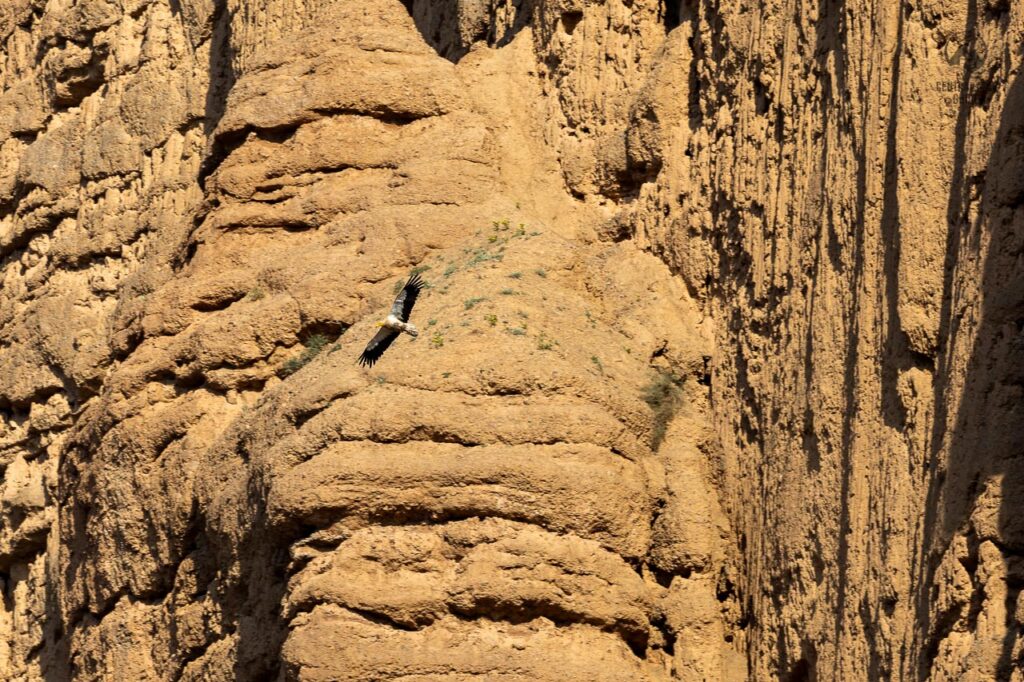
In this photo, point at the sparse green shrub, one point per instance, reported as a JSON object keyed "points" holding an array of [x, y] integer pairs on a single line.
{"points": [[316, 343], [491, 319], [515, 275], [545, 343], [597, 363], [541, 272], [470, 302], [664, 395], [437, 340], [482, 256], [508, 292], [517, 331], [313, 345], [255, 294]]}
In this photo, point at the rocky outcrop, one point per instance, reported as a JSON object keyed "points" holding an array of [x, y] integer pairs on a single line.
{"points": [[855, 170], [718, 374]]}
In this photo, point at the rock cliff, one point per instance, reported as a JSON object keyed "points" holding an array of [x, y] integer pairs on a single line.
{"points": [[720, 369]]}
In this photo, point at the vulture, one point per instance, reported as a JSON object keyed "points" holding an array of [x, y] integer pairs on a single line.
{"points": [[396, 323]]}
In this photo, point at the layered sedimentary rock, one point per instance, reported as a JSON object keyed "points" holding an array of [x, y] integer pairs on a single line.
{"points": [[719, 366]]}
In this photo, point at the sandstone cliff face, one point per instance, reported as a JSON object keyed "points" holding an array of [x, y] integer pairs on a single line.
{"points": [[856, 167], [720, 366]]}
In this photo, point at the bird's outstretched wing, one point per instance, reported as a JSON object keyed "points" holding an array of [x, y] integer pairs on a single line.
{"points": [[406, 299], [377, 345]]}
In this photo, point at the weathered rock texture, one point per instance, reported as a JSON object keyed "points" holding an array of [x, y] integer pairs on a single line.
{"points": [[721, 371]]}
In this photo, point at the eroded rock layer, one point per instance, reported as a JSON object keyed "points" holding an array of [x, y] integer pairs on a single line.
{"points": [[719, 373]]}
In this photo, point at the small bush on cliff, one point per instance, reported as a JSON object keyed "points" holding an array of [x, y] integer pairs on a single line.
{"points": [[664, 395], [313, 345]]}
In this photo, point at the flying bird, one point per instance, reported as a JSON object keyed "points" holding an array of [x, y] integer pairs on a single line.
{"points": [[397, 322]]}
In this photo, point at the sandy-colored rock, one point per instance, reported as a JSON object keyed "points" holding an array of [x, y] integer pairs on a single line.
{"points": [[719, 372]]}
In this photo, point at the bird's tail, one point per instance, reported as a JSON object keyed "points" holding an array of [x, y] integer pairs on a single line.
{"points": [[411, 330]]}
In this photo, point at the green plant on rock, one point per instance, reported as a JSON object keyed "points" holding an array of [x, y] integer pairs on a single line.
{"points": [[664, 395], [545, 343], [482, 256], [313, 345]]}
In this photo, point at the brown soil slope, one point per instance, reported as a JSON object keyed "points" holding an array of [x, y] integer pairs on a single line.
{"points": [[720, 365]]}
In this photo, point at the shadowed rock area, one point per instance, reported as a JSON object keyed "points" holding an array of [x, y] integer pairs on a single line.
{"points": [[719, 367]]}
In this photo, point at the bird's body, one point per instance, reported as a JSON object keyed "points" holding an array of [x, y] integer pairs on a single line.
{"points": [[394, 324]]}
